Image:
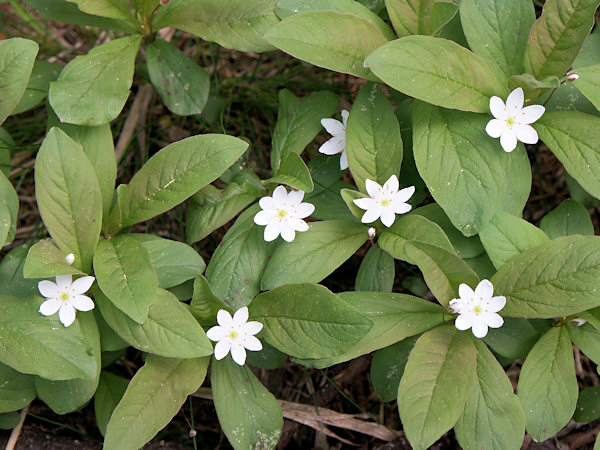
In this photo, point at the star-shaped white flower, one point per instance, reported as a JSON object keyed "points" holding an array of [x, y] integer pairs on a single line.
{"points": [[235, 334], [283, 214], [337, 144], [478, 310], [65, 297], [384, 202], [512, 121]]}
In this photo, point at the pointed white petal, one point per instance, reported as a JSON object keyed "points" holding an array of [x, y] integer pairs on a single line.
{"points": [[224, 318], [241, 316], [391, 185], [373, 189], [333, 146], [371, 215], [253, 344], [63, 282], [81, 285], [464, 322], [267, 203], [484, 290], [530, 114], [279, 196], [508, 142], [514, 102], [497, 108], [333, 126], [216, 333], [493, 320], [345, 115], [401, 208], [404, 194], [344, 160], [365, 203], [287, 232], [82, 303], [222, 348], [465, 292], [298, 224], [388, 217], [304, 210], [295, 197], [263, 217], [480, 328], [496, 303], [238, 353], [48, 289], [252, 327], [271, 231], [50, 306], [66, 314], [526, 134], [496, 128]]}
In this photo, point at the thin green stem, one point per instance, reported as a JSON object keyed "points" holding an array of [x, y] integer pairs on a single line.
{"points": [[28, 18], [57, 423], [192, 421]]}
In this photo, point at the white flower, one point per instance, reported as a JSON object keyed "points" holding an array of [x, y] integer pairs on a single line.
{"points": [[384, 202], [578, 321], [477, 310], [512, 121], [283, 214], [337, 144], [70, 259], [65, 297], [235, 334]]}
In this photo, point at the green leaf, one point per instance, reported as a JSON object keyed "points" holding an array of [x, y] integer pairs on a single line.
{"points": [[547, 384], [110, 392], [376, 271], [293, 172], [18, 389], [154, 395], [12, 281], [558, 278], [330, 203], [125, 274], [170, 330], [68, 196], [348, 196], [411, 65], [65, 396], [10, 200], [182, 84], [443, 271], [493, 417], [248, 413], [9, 420], [412, 228], [464, 169], [236, 24], [573, 137], [175, 173], [589, 84], [568, 218], [308, 321], [394, 317], [212, 208], [373, 140], [205, 305], [436, 383], [414, 16], [557, 36], [37, 88], [174, 262], [97, 143], [518, 182], [497, 31], [39, 345], [314, 254], [387, 368], [113, 9], [299, 121], [588, 405], [44, 260], [236, 267], [532, 88], [7, 145], [5, 223], [515, 338], [587, 339], [268, 358], [307, 36], [507, 236], [16, 62]]}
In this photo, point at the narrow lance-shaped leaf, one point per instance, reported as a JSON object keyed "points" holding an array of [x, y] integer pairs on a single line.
{"points": [[376, 271], [113, 9], [16, 62], [110, 391]]}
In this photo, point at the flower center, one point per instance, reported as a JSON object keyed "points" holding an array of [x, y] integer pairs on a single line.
{"points": [[282, 213], [511, 121], [233, 334], [477, 310], [385, 203], [64, 297]]}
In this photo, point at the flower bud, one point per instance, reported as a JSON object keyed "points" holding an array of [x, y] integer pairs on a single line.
{"points": [[371, 232], [164, 2], [70, 258], [573, 76], [577, 321]]}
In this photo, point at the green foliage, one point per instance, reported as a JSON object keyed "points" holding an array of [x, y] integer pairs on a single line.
{"points": [[376, 271], [388, 366], [18, 389], [108, 395], [17, 57], [567, 219]]}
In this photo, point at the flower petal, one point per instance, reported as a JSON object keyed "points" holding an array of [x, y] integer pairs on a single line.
{"points": [[497, 108], [298, 224], [496, 128], [484, 290], [464, 322], [496, 303], [222, 348], [508, 142], [279, 196], [465, 292], [216, 333], [401, 208], [514, 102], [526, 134], [493, 320], [66, 314], [253, 344], [366, 203], [267, 203], [271, 231], [404, 194], [241, 316], [287, 232], [82, 303], [333, 146], [63, 282], [50, 306], [530, 114], [304, 210], [224, 318], [81, 285], [345, 115], [391, 185], [373, 189], [238, 353], [48, 289], [480, 328], [371, 215], [388, 217], [263, 217], [344, 160], [333, 126], [295, 197], [252, 327]]}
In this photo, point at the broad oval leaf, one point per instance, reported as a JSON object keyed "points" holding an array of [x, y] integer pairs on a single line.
{"points": [[436, 383], [411, 65], [587, 339], [373, 141], [175, 173], [18, 389], [568, 218], [154, 395], [308, 321], [17, 57], [106, 72], [44, 260], [125, 274], [307, 36], [293, 172], [558, 278], [547, 384], [248, 413], [313, 254], [587, 408], [68, 196], [42, 74], [410, 16]]}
